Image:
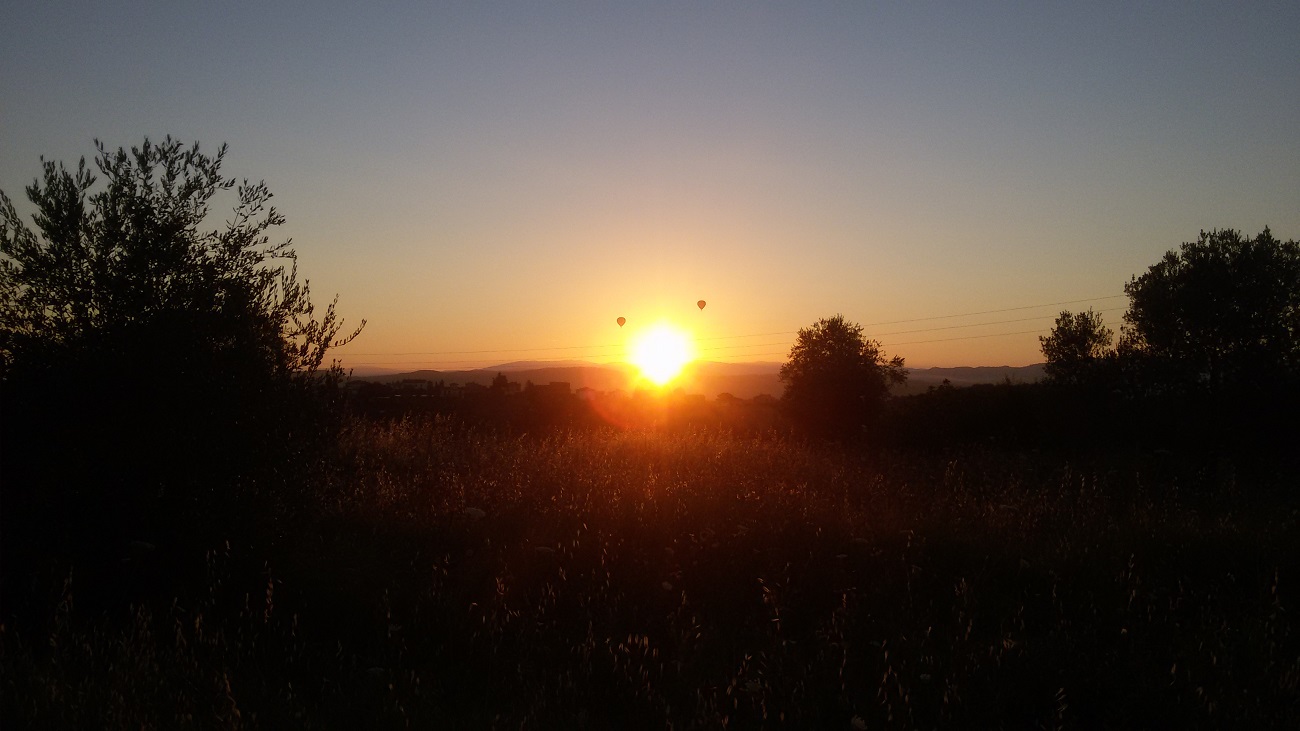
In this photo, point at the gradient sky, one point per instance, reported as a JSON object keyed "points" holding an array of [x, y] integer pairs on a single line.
{"points": [[513, 177]]}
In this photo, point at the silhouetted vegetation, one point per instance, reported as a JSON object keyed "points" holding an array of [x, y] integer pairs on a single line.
{"points": [[1220, 313], [836, 380], [154, 366], [1079, 350], [1212, 334], [202, 529], [616, 579]]}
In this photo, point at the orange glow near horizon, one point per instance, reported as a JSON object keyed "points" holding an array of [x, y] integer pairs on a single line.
{"points": [[661, 352]]}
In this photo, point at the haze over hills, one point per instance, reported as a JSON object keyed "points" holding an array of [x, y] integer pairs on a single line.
{"points": [[919, 379], [743, 380], [528, 365]]}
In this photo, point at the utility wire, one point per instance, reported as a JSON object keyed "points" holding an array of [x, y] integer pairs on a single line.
{"points": [[991, 312], [908, 332], [947, 317], [918, 342], [746, 355], [771, 334], [977, 324]]}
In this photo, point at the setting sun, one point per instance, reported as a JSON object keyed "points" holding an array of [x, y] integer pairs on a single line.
{"points": [[661, 353]]}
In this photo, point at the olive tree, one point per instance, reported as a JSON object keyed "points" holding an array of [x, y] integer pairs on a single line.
{"points": [[149, 347], [1219, 312], [1078, 344], [111, 269], [836, 379]]}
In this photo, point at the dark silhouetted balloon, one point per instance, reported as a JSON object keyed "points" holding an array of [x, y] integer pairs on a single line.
{"points": [[621, 320], [701, 304]]}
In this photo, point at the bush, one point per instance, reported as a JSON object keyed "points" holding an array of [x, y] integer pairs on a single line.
{"points": [[150, 365]]}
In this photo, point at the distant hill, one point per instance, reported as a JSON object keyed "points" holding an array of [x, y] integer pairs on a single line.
{"points": [[920, 379], [742, 380], [529, 365], [599, 377]]}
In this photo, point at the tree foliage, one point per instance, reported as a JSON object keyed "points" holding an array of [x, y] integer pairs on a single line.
{"points": [[1209, 353], [129, 269], [836, 379], [1078, 344], [1220, 312], [145, 351]]}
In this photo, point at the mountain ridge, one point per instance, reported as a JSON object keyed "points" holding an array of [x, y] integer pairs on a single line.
{"points": [[710, 378]]}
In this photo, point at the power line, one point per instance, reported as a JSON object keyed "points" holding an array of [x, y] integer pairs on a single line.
{"points": [[964, 337], [751, 335], [768, 345], [736, 355], [484, 352], [947, 317], [350, 356], [991, 312], [919, 342], [918, 330], [977, 324], [746, 355]]}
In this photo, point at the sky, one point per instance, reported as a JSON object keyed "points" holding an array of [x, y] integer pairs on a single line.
{"points": [[490, 182]]}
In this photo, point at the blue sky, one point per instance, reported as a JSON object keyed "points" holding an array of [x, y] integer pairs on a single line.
{"points": [[512, 177]]}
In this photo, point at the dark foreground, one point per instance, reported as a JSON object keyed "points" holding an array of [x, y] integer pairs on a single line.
{"points": [[438, 577]]}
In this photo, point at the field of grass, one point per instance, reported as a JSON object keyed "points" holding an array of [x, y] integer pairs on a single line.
{"points": [[442, 577]]}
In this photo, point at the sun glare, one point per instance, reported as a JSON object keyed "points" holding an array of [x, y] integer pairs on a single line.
{"points": [[661, 353]]}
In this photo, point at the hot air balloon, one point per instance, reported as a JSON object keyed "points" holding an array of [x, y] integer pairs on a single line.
{"points": [[621, 320], [701, 304]]}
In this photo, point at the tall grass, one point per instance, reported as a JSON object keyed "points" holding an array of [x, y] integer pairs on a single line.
{"points": [[449, 577]]}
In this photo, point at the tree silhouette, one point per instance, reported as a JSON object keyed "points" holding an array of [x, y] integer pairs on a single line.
{"points": [[835, 379], [1078, 345], [1220, 312], [148, 357], [112, 270]]}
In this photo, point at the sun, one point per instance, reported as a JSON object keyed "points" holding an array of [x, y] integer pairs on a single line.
{"points": [[661, 353]]}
